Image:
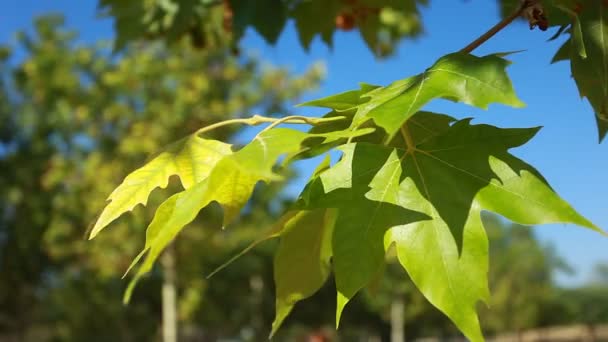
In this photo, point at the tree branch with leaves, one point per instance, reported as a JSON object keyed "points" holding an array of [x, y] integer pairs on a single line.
{"points": [[406, 178]]}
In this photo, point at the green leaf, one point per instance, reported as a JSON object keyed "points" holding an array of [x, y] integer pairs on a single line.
{"points": [[314, 17], [268, 17], [563, 53], [230, 183], [449, 171], [520, 194], [477, 81], [425, 126], [339, 102], [451, 176], [361, 192], [452, 167], [168, 20], [128, 23], [452, 281], [191, 159], [276, 229], [302, 261], [590, 70], [577, 38]]}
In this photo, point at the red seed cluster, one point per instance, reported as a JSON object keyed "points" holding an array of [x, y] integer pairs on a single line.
{"points": [[353, 13]]}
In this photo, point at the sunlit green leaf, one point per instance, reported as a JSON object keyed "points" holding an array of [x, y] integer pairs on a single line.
{"points": [[230, 183], [452, 280], [483, 176], [478, 81], [449, 172], [191, 159], [339, 102]]}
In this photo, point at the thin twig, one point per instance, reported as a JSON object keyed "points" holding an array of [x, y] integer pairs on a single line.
{"points": [[498, 27], [288, 119], [258, 120]]}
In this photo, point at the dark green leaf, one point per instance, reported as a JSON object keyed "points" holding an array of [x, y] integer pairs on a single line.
{"points": [[362, 193], [590, 70], [268, 17], [302, 261]]}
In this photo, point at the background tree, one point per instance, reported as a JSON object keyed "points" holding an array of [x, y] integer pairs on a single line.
{"points": [[74, 120], [521, 277]]}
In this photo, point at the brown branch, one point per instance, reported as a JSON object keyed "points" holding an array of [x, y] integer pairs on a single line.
{"points": [[498, 27]]}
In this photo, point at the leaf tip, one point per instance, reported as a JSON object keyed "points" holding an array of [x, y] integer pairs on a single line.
{"points": [[519, 104], [96, 229], [342, 300], [283, 309], [129, 291]]}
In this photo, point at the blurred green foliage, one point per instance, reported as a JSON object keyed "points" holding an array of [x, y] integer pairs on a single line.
{"points": [[75, 119], [216, 23]]}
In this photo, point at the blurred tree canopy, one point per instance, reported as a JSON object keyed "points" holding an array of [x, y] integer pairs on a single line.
{"points": [[222, 23], [521, 277], [74, 119]]}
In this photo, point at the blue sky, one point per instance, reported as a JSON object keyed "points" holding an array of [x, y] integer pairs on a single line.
{"points": [[565, 150]]}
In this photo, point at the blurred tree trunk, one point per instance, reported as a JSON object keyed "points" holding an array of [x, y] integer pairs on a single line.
{"points": [[397, 318], [169, 295]]}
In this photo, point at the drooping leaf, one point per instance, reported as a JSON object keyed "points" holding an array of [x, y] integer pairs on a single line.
{"points": [[277, 228], [191, 159], [230, 183], [302, 261]]}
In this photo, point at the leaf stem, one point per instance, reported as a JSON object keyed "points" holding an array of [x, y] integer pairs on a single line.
{"points": [[409, 141], [498, 27], [258, 120]]}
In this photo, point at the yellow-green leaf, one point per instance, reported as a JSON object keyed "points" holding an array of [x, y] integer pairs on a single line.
{"points": [[191, 159]]}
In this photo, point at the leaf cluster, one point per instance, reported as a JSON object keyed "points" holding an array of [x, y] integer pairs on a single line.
{"points": [[222, 23], [585, 23], [406, 179]]}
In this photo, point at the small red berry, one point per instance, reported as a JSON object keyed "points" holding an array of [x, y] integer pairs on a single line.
{"points": [[345, 21]]}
